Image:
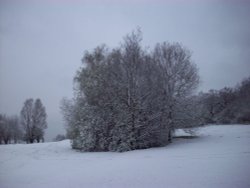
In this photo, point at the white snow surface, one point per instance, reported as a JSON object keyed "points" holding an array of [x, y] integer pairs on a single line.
{"points": [[218, 158]]}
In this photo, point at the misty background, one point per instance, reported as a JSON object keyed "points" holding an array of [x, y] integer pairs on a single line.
{"points": [[42, 43]]}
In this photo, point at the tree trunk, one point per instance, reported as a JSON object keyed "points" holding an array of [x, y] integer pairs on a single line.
{"points": [[170, 136], [6, 141], [31, 141]]}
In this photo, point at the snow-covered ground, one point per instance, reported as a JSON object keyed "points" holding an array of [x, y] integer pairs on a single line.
{"points": [[218, 158]]}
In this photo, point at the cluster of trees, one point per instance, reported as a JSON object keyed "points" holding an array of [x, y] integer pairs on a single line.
{"points": [[129, 98], [228, 105], [10, 131], [28, 127]]}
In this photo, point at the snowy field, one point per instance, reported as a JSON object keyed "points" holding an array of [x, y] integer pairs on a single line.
{"points": [[218, 158]]}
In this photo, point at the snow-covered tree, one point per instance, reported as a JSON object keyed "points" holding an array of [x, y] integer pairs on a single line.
{"points": [[10, 131], [33, 119], [59, 137], [16, 131], [228, 105], [26, 120], [39, 120], [128, 98], [5, 129]]}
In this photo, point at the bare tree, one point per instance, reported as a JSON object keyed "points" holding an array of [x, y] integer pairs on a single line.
{"points": [[9, 129], [33, 119], [26, 120], [1, 128], [39, 120], [5, 129], [16, 132], [228, 105], [178, 78]]}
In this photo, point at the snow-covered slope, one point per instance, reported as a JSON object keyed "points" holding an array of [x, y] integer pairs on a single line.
{"points": [[219, 157]]}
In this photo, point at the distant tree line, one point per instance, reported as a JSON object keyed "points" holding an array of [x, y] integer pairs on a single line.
{"points": [[29, 127], [228, 105], [59, 137], [131, 98]]}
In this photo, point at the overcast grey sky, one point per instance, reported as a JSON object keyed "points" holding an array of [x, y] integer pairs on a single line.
{"points": [[42, 43]]}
